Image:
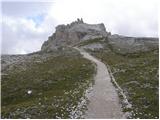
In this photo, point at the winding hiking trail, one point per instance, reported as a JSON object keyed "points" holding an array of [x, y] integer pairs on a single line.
{"points": [[104, 101]]}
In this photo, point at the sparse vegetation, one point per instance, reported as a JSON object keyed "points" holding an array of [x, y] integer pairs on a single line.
{"points": [[137, 74], [52, 88], [55, 87]]}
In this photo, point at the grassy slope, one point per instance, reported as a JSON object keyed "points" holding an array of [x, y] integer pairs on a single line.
{"points": [[58, 85], [137, 74]]}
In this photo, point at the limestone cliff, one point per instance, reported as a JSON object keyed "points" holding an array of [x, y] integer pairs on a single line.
{"points": [[74, 33], [79, 32]]}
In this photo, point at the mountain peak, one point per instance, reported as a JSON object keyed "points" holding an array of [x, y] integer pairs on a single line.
{"points": [[74, 33]]}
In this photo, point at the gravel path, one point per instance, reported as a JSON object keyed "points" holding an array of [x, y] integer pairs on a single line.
{"points": [[104, 101]]}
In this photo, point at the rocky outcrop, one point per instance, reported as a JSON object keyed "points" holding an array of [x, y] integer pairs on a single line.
{"points": [[79, 32], [124, 44], [74, 33]]}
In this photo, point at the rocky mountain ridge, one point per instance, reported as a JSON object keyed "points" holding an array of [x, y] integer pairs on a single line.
{"points": [[78, 32], [88, 36], [73, 33]]}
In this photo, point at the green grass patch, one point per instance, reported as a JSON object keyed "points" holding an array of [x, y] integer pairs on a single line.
{"points": [[58, 84]]}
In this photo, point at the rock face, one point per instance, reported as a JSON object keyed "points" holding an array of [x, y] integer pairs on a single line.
{"points": [[74, 33], [79, 32], [123, 44]]}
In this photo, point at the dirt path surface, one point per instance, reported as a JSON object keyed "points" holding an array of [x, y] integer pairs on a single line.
{"points": [[104, 101]]}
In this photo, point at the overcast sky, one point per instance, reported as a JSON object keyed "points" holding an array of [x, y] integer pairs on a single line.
{"points": [[26, 25]]}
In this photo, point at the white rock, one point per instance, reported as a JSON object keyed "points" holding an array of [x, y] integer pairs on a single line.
{"points": [[29, 92]]}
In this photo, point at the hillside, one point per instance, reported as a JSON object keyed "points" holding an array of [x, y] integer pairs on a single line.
{"points": [[136, 71], [46, 85], [60, 82]]}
